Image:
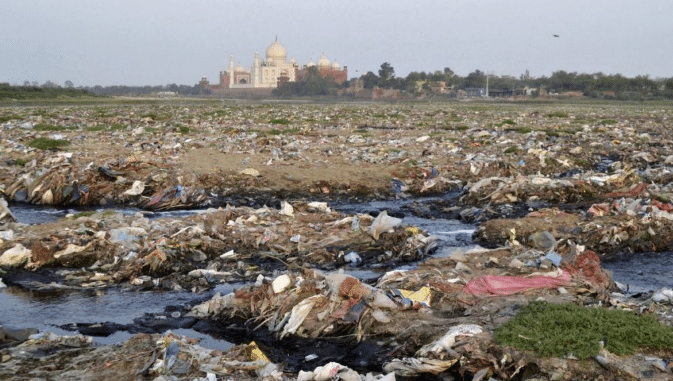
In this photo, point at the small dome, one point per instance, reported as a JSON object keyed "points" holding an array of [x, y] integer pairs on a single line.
{"points": [[293, 61], [310, 63], [335, 65], [323, 61], [239, 67], [276, 52]]}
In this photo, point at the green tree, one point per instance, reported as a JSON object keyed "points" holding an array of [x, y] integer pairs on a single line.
{"points": [[475, 79], [370, 80], [386, 75]]}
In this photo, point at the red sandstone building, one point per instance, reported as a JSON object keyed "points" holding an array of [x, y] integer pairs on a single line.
{"points": [[266, 75]]}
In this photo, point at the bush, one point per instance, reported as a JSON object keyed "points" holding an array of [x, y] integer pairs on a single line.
{"points": [[558, 114], [283, 121], [557, 330], [45, 143], [49, 127]]}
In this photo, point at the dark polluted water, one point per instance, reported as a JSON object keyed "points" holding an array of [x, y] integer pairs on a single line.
{"points": [[642, 272], [47, 311], [124, 311]]}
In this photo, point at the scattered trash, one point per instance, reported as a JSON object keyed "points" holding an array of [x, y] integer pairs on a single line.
{"points": [[383, 223], [352, 257], [16, 256], [412, 299], [507, 285]]}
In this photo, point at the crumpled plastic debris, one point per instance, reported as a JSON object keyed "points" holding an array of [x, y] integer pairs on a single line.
{"points": [[16, 256], [286, 209], [665, 295], [5, 212], [136, 189], [507, 285], [383, 223], [412, 366], [447, 341], [411, 299]]}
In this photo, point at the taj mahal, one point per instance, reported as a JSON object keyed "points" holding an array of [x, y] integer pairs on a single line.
{"points": [[273, 71]]}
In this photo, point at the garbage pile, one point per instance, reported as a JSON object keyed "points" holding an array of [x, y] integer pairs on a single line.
{"points": [[575, 182], [169, 156], [467, 293], [230, 244]]}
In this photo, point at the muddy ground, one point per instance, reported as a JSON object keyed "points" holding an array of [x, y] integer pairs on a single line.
{"points": [[553, 187]]}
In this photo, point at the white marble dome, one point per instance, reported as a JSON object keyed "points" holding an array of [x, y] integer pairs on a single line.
{"points": [[323, 61], [276, 52]]}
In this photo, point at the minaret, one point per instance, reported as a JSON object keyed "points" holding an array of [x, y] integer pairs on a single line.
{"points": [[255, 71], [231, 71]]}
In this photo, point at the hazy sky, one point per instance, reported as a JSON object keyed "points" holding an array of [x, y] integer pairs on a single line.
{"points": [[157, 42]]}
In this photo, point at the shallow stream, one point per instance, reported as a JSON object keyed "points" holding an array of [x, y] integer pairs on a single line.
{"points": [[47, 311]]}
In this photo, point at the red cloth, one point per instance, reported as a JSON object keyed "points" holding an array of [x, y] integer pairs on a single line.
{"points": [[507, 285]]}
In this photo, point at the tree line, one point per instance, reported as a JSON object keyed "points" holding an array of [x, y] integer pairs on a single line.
{"points": [[597, 85], [593, 85]]}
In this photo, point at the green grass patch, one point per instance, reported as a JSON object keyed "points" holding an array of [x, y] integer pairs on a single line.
{"points": [[558, 114], [283, 121], [606, 122], [50, 127], [462, 128], [557, 330], [95, 128], [7, 118], [569, 131], [117, 127], [286, 131], [183, 130], [45, 143], [552, 133], [582, 163], [512, 149], [524, 130], [20, 162], [509, 122], [86, 213], [151, 115]]}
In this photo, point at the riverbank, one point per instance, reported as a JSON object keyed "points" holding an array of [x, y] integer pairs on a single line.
{"points": [[554, 187]]}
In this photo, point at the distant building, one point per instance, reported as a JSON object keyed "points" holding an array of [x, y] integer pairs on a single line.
{"points": [[270, 73]]}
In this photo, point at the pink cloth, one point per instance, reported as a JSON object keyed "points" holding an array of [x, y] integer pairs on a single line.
{"points": [[507, 285]]}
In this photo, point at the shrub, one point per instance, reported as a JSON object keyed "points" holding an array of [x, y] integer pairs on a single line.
{"points": [[558, 114], [46, 143], [283, 121], [557, 330], [50, 127]]}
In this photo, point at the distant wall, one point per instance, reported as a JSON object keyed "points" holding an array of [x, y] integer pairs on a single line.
{"points": [[249, 93]]}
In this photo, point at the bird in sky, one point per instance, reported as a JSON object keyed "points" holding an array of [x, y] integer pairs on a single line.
{"points": [[555, 35]]}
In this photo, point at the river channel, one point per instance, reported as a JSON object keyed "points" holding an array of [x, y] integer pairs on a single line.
{"points": [[47, 311]]}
